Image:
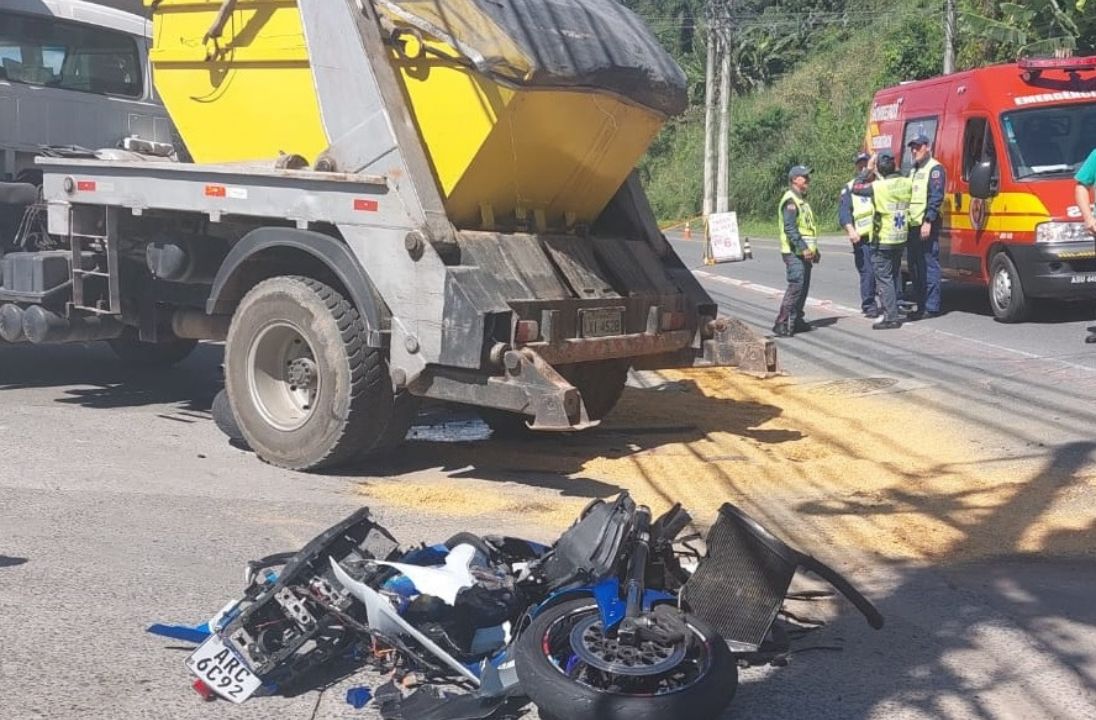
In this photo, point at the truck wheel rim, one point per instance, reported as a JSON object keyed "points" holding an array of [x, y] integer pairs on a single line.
{"points": [[1002, 289], [282, 376]]}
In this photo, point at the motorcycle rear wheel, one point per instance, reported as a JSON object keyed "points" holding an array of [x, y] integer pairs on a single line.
{"points": [[699, 686]]}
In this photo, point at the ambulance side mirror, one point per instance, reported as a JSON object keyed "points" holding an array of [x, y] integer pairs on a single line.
{"points": [[981, 180]]}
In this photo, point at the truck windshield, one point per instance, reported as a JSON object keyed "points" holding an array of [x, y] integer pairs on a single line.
{"points": [[43, 51], [1051, 140]]}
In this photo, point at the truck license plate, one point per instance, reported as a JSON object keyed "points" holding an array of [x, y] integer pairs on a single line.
{"points": [[221, 669], [602, 322]]}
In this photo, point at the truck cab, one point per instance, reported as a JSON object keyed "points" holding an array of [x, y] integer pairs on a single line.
{"points": [[1011, 137], [73, 73]]}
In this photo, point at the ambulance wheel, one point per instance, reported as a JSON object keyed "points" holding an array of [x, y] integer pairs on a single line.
{"points": [[1006, 293], [306, 390]]}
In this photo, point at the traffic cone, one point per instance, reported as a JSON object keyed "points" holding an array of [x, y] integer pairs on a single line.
{"points": [[688, 231]]}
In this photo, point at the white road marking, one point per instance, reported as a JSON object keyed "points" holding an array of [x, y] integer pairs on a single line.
{"points": [[776, 292]]}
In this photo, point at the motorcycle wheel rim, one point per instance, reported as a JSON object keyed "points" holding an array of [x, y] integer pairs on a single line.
{"points": [[692, 666]]}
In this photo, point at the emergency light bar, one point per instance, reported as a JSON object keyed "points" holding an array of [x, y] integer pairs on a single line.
{"points": [[1032, 67]]}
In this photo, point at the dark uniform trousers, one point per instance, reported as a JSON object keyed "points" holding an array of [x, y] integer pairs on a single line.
{"points": [[923, 258], [799, 284]]}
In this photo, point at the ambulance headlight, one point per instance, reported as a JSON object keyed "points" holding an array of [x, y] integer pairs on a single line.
{"points": [[1059, 232]]}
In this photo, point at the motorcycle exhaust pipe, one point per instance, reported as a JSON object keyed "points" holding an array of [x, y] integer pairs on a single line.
{"points": [[44, 327], [11, 323]]}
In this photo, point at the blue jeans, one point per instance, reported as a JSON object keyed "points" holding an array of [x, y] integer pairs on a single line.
{"points": [[923, 258], [861, 253], [799, 284]]}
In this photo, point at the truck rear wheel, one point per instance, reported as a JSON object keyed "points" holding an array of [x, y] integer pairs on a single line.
{"points": [[601, 384], [307, 391], [1006, 293]]}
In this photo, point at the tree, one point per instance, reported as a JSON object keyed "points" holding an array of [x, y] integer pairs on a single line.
{"points": [[1007, 30]]}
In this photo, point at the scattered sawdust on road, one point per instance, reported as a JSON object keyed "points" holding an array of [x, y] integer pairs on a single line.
{"points": [[835, 466]]}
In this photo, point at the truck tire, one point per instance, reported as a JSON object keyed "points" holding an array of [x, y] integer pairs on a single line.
{"points": [[405, 408], [601, 384], [306, 390], [224, 418], [560, 696], [135, 353], [1006, 293]]}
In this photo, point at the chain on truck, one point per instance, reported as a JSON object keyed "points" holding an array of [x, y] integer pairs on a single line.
{"points": [[385, 206]]}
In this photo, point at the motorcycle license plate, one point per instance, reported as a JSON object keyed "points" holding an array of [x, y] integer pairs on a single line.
{"points": [[602, 322], [219, 667]]}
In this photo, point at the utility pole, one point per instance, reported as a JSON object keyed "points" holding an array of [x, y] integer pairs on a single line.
{"points": [[949, 37], [722, 194], [709, 115]]}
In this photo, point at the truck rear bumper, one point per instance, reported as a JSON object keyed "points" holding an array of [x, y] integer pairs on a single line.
{"points": [[530, 385], [575, 350]]}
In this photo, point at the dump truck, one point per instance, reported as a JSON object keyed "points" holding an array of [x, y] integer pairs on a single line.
{"points": [[389, 200]]}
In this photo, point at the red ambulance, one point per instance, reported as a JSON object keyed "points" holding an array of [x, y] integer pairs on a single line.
{"points": [[1011, 138]]}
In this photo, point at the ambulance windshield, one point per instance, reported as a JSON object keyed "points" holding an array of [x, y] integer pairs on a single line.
{"points": [[1050, 140]]}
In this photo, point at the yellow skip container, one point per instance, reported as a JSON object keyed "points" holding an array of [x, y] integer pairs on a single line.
{"points": [[511, 140]]}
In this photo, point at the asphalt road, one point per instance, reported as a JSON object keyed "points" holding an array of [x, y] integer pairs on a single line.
{"points": [[122, 505], [1032, 383]]}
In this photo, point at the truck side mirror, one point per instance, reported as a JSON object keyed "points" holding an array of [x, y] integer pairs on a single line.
{"points": [[981, 180]]}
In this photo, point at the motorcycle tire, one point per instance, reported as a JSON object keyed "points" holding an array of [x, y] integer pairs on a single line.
{"points": [[561, 697]]}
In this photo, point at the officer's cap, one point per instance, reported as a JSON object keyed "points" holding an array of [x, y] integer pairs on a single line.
{"points": [[918, 139], [799, 171], [862, 157]]}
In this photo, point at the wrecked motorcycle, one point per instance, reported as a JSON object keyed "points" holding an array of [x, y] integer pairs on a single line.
{"points": [[620, 617]]}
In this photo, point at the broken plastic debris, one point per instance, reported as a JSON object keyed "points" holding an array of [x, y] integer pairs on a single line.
{"points": [[442, 582], [196, 634], [383, 618], [358, 697], [204, 690]]}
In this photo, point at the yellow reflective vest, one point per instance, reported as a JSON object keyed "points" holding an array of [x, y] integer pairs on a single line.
{"points": [[804, 221], [920, 201], [891, 199]]}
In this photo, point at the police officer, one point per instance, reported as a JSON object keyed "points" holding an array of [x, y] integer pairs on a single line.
{"points": [[798, 248], [923, 253], [854, 213], [890, 194]]}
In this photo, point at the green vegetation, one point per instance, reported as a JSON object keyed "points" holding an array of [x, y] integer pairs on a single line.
{"points": [[804, 76]]}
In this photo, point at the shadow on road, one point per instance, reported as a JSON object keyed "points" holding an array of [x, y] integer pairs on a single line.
{"points": [[454, 440], [952, 646], [824, 322], [974, 301], [99, 380]]}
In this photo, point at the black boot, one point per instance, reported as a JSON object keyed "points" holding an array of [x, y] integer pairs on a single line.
{"points": [[782, 330]]}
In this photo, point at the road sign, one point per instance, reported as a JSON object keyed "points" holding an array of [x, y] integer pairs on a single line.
{"points": [[722, 241]]}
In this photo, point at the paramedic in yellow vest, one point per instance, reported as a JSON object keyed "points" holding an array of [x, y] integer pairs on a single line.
{"points": [[923, 250], [798, 248], [890, 194], [854, 213]]}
